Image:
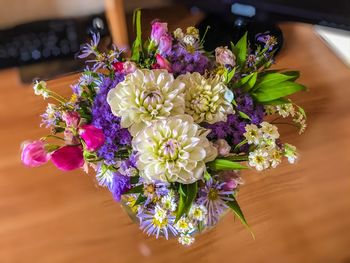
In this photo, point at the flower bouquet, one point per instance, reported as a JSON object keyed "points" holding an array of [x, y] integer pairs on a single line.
{"points": [[168, 129]]}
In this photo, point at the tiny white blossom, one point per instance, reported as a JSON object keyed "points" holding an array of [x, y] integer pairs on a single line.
{"points": [[41, 89], [198, 212], [160, 214], [259, 159], [275, 157], [178, 34], [286, 110], [168, 202], [252, 134], [184, 225], [186, 239], [189, 40], [290, 153], [269, 131]]}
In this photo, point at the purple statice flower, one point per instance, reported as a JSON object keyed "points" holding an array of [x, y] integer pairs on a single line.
{"points": [[214, 197], [269, 41], [183, 61], [232, 130], [157, 221], [120, 185], [102, 117], [90, 48]]}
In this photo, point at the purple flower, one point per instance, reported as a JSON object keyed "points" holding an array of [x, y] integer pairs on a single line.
{"points": [[232, 130], [183, 61], [213, 196], [120, 185], [88, 49], [158, 30], [102, 117], [165, 44]]}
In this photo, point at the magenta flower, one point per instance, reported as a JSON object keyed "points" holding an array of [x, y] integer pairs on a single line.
{"points": [[93, 137], [71, 118], [162, 63], [34, 154], [165, 44], [158, 30], [68, 158]]}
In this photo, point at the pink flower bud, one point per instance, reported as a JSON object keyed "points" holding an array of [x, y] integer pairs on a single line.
{"points": [[224, 56], [158, 30], [165, 44], [68, 158], [118, 66], [231, 179], [162, 63], [126, 67], [34, 154], [94, 137], [71, 118], [223, 147]]}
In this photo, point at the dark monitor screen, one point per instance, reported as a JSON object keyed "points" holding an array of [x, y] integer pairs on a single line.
{"points": [[334, 13]]}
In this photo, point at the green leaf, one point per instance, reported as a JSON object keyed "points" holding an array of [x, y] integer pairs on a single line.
{"points": [[244, 80], [137, 45], [223, 164], [241, 50], [140, 199], [135, 190], [243, 115], [268, 93], [272, 79], [185, 201], [207, 176], [251, 82], [276, 102], [238, 212], [134, 179], [293, 73], [229, 75]]}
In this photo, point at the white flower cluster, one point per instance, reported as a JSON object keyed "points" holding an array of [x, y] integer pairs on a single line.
{"points": [[40, 88], [162, 114], [289, 110], [267, 153], [187, 225]]}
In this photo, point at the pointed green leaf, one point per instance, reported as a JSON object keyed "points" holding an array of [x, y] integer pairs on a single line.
{"points": [[229, 75], [244, 80], [243, 115], [241, 49], [268, 93], [251, 82], [276, 102], [186, 200], [135, 190], [223, 164], [273, 79], [140, 199], [238, 212], [137, 45]]}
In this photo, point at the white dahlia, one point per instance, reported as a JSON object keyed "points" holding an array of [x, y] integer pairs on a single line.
{"points": [[173, 150], [205, 99], [144, 96]]}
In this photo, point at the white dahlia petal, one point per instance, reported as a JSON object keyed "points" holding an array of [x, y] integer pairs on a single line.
{"points": [[205, 98], [173, 150], [144, 96]]}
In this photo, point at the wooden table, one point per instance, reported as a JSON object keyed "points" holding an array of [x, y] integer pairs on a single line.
{"points": [[299, 213]]}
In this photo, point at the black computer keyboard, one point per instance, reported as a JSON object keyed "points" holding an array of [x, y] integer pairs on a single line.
{"points": [[46, 40]]}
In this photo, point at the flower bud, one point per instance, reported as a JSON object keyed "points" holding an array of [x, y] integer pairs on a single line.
{"points": [[162, 63], [68, 158], [158, 30], [94, 137], [71, 118], [34, 154], [223, 147], [165, 44], [224, 56]]}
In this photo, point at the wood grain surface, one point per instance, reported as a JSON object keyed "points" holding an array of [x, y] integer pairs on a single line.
{"points": [[299, 213]]}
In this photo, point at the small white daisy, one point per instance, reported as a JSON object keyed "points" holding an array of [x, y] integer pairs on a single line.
{"points": [[186, 239], [198, 212], [290, 152], [184, 225], [252, 134], [269, 131], [259, 159]]}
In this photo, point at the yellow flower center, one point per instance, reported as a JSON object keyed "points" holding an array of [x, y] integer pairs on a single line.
{"points": [[213, 194]]}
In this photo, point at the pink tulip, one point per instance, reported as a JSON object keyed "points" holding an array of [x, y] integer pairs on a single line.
{"points": [[34, 154], [165, 44], [68, 158], [162, 63], [158, 30], [71, 118], [94, 137]]}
